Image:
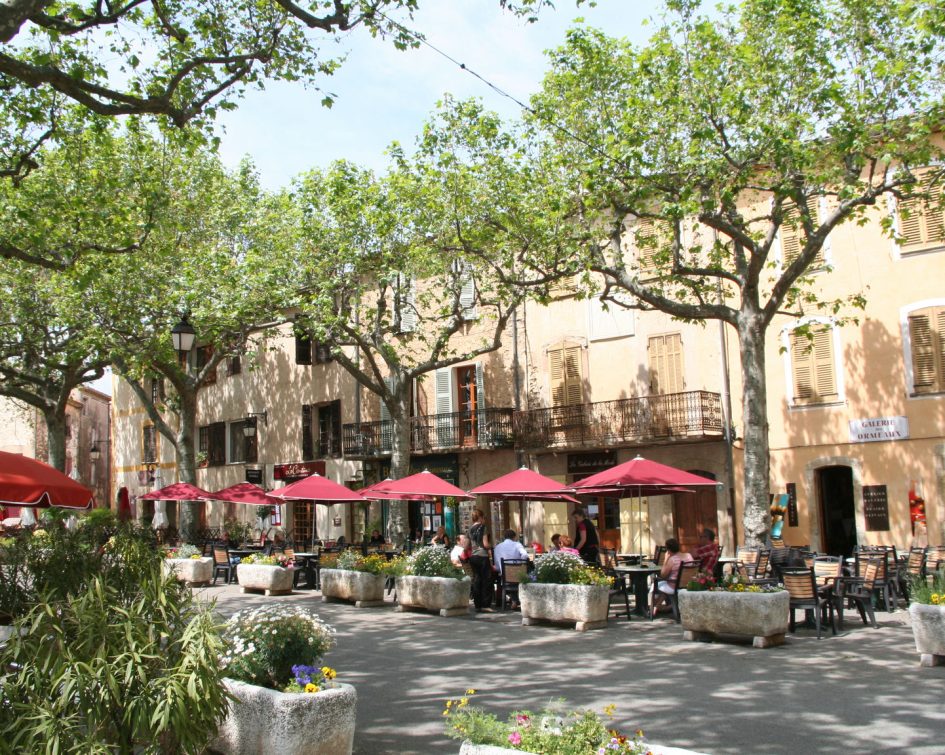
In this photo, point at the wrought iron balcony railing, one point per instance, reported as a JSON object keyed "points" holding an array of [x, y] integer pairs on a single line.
{"points": [[485, 428], [673, 416]]}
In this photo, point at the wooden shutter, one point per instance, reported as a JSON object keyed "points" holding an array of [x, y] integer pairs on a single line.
{"points": [[467, 295], [217, 453], [923, 228], [814, 367], [666, 364], [567, 384], [308, 441], [927, 336], [649, 235], [445, 431], [792, 232], [406, 303]]}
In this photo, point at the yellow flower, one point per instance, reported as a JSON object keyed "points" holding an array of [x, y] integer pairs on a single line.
{"points": [[449, 704], [311, 687], [329, 673], [470, 692], [463, 702], [609, 710]]}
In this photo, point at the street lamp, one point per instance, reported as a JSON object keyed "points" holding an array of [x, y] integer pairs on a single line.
{"points": [[183, 335], [95, 452], [249, 426]]}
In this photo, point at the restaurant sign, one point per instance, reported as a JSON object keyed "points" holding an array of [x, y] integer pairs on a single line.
{"points": [[878, 428], [297, 470]]}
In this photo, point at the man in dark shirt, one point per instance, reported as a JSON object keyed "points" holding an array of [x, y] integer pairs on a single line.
{"points": [[586, 540]]}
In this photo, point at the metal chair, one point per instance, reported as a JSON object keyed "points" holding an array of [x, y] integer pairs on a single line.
{"points": [[222, 564], [514, 571], [619, 590], [802, 586], [859, 592]]}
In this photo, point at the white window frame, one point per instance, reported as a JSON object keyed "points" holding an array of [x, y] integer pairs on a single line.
{"points": [[786, 332], [620, 323], [896, 251], [904, 313]]}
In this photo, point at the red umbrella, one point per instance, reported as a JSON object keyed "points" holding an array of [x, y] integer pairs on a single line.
{"points": [[375, 492], [178, 491], [244, 492], [639, 476], [524, 484], [421, 485], [28, 482], [316, 488]]}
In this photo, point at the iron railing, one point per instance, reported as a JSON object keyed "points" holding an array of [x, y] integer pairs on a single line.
{"points": [[483, 428], [673, 416]]}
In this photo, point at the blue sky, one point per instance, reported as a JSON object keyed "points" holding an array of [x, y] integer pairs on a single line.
{"points": [[384, 94]]}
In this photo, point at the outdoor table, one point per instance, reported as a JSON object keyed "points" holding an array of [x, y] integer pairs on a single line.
{"points": [[727, 561], [627, 558], [640, 577], [312, 569]]}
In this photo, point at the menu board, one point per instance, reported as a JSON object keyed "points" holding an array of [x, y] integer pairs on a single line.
{"points": [[876, 508], [792, 504]]}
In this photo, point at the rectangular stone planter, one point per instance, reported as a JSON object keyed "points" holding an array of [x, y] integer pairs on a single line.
{"points": [[271, 580], [193, 572], [445, 595], [585, 605], [262, 721], [361, 588], [764, 616], [928, 628], [468, 748]]}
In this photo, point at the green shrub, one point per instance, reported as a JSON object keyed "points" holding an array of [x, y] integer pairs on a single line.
{"points": [[567, 569], [129, 663], [928, 590], [263, 644], [237, 531], [432, 561]]}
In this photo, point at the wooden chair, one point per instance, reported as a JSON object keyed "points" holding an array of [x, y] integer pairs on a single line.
{"points": [[222, 564], [859, 592], [687, 571], [801, 585], [659, 555], [514, 571], [777, 542], [914, 569], [934, 558], [886, 584], [619, 590]]}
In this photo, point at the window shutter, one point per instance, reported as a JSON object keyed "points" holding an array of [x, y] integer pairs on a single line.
{"points": [[666, 364], [814, 367], [407, 304], [481, 425], [801, 360], [647, 239], [444, 406], [792, 232], [927, 334], [467, 296], [567, 388], [825, 378], [925, 226], [308, 441]]}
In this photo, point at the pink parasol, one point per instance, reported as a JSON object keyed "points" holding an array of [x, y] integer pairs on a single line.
{"points": [[178, 491], [525, 485], [375, 493], [28, 482], [639, 476], [316, 488], [416, 487], [244, 492]]}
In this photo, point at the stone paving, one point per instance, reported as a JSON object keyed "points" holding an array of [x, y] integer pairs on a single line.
{"points": [[860, 692]]}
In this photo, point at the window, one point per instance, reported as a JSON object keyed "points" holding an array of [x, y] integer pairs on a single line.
{"points": [[308, 441], [567, 381], [666, 364], [235, 365], [792, 233], [813, 366], [242, 449], [329, 429], [649, 237], [148, 444], [467, 290], [303, 349], [613, 322], [405, 307], [323, 353], [211, 442], [927, 342], [921, 220], [204, 355], [157, 390]]}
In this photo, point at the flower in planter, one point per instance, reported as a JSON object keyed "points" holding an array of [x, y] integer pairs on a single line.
{"points": [[184, 551], [928, 590], [276, 559], [567, 569], [430, 561], [550, 731], [738, 583], [265, 645], [310, 679], [702, 581], [351, 560]]}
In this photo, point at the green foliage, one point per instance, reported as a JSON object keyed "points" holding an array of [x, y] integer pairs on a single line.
{"points": [[99, 519], [552, 731], [351, 560], [432, 561], [263, 644], [237, 531], [928, 590], [126, 663], [567, 569]]}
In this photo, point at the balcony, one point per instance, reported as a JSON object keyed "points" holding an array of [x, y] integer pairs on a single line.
{"points": [[693, 415], [431, 433]]}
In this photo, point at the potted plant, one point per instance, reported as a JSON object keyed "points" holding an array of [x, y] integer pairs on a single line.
{"points": [[272, 575], [427, 579], [552, 731], [734, 607], [283, 701], [188, 565], [237, 531], [355, 578], [563, 588], [927, 616]]}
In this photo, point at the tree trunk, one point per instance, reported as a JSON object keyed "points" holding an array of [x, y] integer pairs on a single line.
{"points": [[751, 333], [398, 523], [56, 439], [187, 465]]}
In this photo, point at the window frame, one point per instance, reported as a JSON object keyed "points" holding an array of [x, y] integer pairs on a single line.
{"points": [[901, 251], [836, 347], [905, 314]]}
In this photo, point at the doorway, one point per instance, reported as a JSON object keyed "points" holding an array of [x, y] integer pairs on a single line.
{"points": [[694, 512], [466, 402], [834, 487]]}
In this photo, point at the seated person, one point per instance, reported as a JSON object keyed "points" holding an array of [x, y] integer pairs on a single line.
{"points": [[376, 538], [555, 542], [509, 548], [440, 538], [666, 585], [708, 551], [566, 545], [461, 551]]}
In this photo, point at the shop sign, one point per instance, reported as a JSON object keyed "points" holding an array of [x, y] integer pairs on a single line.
{"points": [[254, 476], [590, 463], [297, 470], [878, 428]]}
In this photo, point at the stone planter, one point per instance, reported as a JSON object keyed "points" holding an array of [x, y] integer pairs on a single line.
{"points": [[764, 616], [585, 605], [193, 572], [271, 580], [445, 595], [361, 588], [468, 748], [928, 628], [262, 721]]}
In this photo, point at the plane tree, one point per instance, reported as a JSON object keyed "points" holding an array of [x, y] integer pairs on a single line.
{"points": [[696, 157]]}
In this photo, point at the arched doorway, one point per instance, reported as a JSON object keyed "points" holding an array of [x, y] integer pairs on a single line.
{"points": [[835, 499], [694, 512]]}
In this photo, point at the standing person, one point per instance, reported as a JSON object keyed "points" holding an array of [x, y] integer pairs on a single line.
{"points": [[586, 533], [479, 560]]}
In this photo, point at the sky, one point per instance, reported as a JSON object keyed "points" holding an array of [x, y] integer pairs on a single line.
{"points": [[384, 94]]}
